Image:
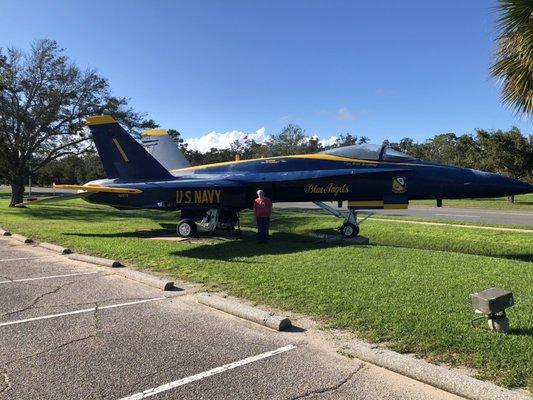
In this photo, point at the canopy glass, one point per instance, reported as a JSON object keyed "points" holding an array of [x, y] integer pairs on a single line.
{"points": [[367, 151]]}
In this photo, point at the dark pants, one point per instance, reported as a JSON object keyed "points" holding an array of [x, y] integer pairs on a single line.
{"points": [[263, 223]]}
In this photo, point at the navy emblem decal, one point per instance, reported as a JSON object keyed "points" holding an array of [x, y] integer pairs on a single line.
{"points": [[399, 184]]}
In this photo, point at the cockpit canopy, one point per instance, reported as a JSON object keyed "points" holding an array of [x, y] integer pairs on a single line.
{"points": [[366, 151]]}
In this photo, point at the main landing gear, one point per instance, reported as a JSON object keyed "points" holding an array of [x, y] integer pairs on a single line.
{"points": [[350, 227], [212, 219]]}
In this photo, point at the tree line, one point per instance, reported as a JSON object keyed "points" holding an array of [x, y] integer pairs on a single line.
{"points": [[505, 152]]}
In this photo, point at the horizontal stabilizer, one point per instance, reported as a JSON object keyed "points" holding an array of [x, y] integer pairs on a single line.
{"points": [[98, 189], [54, 199]]}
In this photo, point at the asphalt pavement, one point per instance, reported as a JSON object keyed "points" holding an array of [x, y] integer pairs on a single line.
{"points": [[472, 215], [70, 330]]}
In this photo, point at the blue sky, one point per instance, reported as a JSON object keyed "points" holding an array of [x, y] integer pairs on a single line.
{"points": [[384, 69]]}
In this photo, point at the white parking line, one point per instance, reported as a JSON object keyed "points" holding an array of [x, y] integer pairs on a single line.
{"points": [[22, 321], [48, 277], [23, 258], [202, 375]]}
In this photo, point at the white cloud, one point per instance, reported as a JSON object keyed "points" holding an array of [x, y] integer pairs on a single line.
{"points": [[220, 140], [329, 141], [344, 114]]}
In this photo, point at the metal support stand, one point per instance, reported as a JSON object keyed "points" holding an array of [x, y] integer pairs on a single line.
{"points": [[349, 217], [209, 222]]}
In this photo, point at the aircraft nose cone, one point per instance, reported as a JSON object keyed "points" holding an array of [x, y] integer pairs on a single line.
{"points": [[498, 185]]}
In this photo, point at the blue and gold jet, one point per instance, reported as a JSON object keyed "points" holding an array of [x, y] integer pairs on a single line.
{"points": [[210, 196]]}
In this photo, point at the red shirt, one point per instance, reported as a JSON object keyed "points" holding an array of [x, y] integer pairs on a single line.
{"points": [[263, 207]]}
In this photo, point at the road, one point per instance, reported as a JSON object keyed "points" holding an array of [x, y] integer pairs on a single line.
{"points": [[71, 330], [473, 215]]}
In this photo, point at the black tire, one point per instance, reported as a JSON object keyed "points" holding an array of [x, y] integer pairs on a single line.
{"points": [[349, 230], [186, 228]]}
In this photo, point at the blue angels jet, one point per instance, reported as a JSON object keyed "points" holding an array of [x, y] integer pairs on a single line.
{"points": [[210, 196]]}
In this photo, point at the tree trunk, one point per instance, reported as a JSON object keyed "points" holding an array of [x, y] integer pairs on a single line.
{"points": [[17, 191]]}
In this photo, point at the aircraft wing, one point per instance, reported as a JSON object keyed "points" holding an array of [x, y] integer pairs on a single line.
{"points": [[307, 175]]}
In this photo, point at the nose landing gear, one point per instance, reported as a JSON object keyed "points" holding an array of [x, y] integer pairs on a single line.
{"points": [[350, 227]]}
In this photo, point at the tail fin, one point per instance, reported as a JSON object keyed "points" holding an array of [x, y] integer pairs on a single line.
{"points": [[122, 156], [161, 146]]}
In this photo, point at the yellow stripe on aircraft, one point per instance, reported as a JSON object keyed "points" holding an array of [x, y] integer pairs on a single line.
{"points": [[100, 120], [328, 157], [120, 150], [403, 206], [155, 132], [368, 203]]}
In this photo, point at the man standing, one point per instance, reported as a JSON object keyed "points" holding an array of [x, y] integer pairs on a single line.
{"points": [[262, 212]]}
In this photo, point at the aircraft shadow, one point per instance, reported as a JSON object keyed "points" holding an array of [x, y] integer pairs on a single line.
{"points": [[88, 213], [521, 331], [247, 246]]}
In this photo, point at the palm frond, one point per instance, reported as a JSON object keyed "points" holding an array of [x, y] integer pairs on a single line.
{"points": [[513, 64]]}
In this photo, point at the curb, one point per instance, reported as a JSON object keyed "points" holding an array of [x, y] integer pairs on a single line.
{"points": [[243, 311], [21, 238], [106, 262], [56, 248], [145, 278], [3, 232], [434, 375]]}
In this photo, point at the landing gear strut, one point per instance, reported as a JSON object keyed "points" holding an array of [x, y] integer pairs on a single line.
{"points": [[350, 227]]}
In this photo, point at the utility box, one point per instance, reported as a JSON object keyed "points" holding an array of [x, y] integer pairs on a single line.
{"points": [[491, 301]]}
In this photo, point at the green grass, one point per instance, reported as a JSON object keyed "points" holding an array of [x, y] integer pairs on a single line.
{"points": [[410, 289], [522, 202], [513, 245]]}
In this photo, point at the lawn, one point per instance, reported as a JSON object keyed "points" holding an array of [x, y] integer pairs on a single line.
{"points": [[522, 202], [409, 289]]}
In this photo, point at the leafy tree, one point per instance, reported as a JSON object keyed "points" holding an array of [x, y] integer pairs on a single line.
{"points": [[347, 139], [508, 153], [514, 55], [291, 140], [44, 99], [77, 169], [175, 136]]}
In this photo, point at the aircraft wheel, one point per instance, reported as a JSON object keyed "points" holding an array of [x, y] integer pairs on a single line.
{"points": [[186, 228], [349, 230]]}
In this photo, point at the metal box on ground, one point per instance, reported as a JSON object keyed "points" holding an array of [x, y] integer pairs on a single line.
{"points": [[491, 301]]}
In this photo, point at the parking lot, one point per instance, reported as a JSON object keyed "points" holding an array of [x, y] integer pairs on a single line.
{"points": [[70, 330]]}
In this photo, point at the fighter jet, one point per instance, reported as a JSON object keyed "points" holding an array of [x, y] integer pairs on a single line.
{"points": [[211, 196]]}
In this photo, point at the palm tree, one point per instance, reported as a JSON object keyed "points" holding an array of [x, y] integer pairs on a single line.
{"points": [[513, 65]]}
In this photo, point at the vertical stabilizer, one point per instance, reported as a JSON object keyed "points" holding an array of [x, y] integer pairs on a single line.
{"points": [[161, 146], [121, 155]]}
